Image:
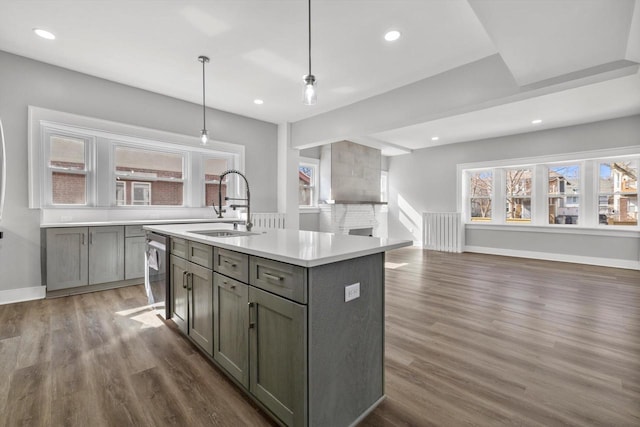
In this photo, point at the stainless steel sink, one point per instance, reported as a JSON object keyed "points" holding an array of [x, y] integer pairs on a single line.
{"points": [[223, 233]]}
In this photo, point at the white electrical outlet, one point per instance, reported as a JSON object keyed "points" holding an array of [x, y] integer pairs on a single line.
{"points": [[352, 292]]}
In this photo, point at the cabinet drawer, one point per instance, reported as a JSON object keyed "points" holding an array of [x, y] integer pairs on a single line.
{"points": [[286, 280], [179, 247], [133, 231], [232, 264], [201, 254]]}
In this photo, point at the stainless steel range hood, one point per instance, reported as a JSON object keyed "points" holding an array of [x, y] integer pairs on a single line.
{"points": [[350, 173]]}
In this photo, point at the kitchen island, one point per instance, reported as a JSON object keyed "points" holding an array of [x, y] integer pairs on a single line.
{"points": [[295, 318]]}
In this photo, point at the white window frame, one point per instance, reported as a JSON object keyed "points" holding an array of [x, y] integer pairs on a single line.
{"points": [[88, 172], [532, 200], [233, 189], [384, 186], [115, 144], [314, 164], [135, 202], [579, 195], [588, 219], [103, 135], [491, 197], [598, 194], [124, 193]]}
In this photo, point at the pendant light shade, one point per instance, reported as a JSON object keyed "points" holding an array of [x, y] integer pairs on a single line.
{"points": [[204, 135], [309, 96]]}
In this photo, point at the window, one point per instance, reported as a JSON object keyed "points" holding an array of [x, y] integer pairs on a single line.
{"points": [[121, 193], [213, 168], [77, 161], [618, 192], [308, 182], [564, 194], [555, 191], [480, 191], [518, 195], [141, 193], [384, 186], [162, 173], [68, 169]]}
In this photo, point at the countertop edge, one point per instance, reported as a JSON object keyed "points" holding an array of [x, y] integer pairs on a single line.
{"points": [[139, 222], [236, 244]]}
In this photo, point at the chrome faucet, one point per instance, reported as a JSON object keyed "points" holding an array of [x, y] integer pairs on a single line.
{"points": [[248, 223]]}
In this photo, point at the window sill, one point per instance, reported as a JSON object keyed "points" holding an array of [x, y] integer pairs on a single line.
{"points": [[309, 209], [617, 231]]}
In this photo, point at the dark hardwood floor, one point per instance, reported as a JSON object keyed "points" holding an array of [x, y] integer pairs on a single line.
{"points": [[470, 340]]}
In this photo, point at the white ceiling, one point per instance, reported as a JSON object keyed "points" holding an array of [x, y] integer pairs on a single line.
{"points": [[258, 49]]}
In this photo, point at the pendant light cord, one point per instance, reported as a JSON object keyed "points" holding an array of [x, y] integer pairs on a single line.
{"points": [[204, 111], [309, 37]]}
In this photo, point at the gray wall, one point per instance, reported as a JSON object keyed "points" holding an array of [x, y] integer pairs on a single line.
{"points": [[26, 82], [426, 180]]}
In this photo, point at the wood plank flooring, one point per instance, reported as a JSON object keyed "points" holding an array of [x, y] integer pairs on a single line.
{"points": [[470, 340]]}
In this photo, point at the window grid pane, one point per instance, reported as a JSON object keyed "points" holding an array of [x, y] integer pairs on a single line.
{"points": [[618, 193], [213, 168], [564, 190], [481, 190], [518, 195], [306, 180], [149, 177], [67, 162]]}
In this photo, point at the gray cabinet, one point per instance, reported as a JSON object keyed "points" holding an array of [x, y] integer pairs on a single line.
{"points": [[192, 299], [67, 257], [80, 256], [200, 288], [231, 322], [134, 252], [106, 254], [231, 263], [285, 333], [278, 355], [179, 294]]}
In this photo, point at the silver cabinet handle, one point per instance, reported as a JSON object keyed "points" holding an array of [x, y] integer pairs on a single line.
{"points": [[184, 275], [90, 238], [272, 276], [229, 262], [82, 238], [252, 325]]}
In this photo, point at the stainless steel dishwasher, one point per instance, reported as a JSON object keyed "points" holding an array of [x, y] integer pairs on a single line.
{"points": [[156, 275]]}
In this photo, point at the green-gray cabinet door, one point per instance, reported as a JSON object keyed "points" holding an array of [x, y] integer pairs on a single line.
{"points": [[106, 254], [134, 254], [200, 287], [179, 293], [277, 355], [67, 255], [231, 320]]}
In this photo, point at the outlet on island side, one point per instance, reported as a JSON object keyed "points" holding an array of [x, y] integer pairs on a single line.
{"points": [[351, 292]]}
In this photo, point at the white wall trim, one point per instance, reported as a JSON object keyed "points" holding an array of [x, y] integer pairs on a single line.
{"points": [[23, 294], [604, 262], [602, 230]]}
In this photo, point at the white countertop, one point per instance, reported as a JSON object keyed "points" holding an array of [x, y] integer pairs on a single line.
{"points": [[137, 222], [303, 248]]}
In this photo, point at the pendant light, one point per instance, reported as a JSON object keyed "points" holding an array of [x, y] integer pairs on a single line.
{"points": [[309, 96], [204, 135]]}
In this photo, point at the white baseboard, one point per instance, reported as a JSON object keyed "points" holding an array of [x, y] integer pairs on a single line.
{"points": [[23, 294], [604, 262]]}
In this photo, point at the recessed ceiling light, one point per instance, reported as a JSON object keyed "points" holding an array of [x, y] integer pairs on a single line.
{"points": [[392, 35], [536, 121], [258, 101], [435, 138], [44, 34]]}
